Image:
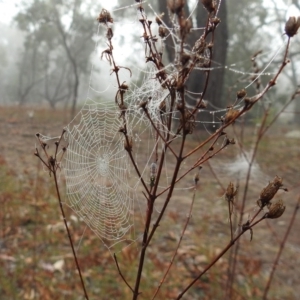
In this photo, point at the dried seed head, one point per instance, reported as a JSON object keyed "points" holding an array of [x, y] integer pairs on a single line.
{"points": [[162, 32], [276, 210], [231, 114], [200, 46], [124, 86], [210, 5], [159, 18], [241, 93], [269, 191], [231, 192], [105, 17], [291, 26]]}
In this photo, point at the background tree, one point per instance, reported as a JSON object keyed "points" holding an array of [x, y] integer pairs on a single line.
{"points": [[196, 82], [62, 33]]}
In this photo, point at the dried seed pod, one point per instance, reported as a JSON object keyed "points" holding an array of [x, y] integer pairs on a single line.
{"points": [[241, 93], [162, 32], [124, 86], [276, 210], [291, 26], [231, 114], [105, 17], [269, 191], [231, 192], [159, 18], [200, 46]]}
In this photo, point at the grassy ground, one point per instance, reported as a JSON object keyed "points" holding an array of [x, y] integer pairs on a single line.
{"points": [[36, 260]]}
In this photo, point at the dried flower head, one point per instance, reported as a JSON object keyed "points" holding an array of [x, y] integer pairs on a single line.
{"points": [[275, 210], [159, 18], [105, 17], [187, 121], [291, 26], [231, 115], [269, 191], [162, 31], [241, 93]]}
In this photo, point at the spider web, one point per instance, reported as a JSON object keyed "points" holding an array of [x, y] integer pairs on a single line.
{"points": [[102, 185], [97, 171]]}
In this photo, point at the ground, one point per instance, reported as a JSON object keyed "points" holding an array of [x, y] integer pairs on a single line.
{"points": [[36, 260]]}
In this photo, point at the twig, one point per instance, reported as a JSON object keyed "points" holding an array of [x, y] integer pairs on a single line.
{"points": [[275, 263], [215, 260], [178, 245], [120, 273]]}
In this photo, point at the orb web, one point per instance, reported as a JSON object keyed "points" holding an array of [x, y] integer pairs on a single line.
{"points": [[101, 182], [97, 171]]}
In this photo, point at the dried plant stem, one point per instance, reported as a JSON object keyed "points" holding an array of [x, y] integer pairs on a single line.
{"points": [[69, 234], [120, 273], [215, 260], [178, 245], [282, 244], [146, 236], [296, 93], [143, 250], [234, 261]]}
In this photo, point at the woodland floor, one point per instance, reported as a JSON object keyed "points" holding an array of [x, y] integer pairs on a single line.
{"points": [[36, 260]]}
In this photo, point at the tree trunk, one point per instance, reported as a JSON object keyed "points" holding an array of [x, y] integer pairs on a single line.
{"points": [[196, 82]]}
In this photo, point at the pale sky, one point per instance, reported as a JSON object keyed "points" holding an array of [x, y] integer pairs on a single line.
{"points": [[7, 10]]}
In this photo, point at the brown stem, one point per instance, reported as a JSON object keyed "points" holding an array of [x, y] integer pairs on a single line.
{"points": [[215, 260], [282, 244], [69, 234], [178, 245], [120, 273]]}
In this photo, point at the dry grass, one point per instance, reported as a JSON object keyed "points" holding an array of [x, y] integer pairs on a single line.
{"points": [[35, 257]]}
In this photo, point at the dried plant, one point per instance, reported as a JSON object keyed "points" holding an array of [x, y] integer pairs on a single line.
{"points": [[168, 129]]}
